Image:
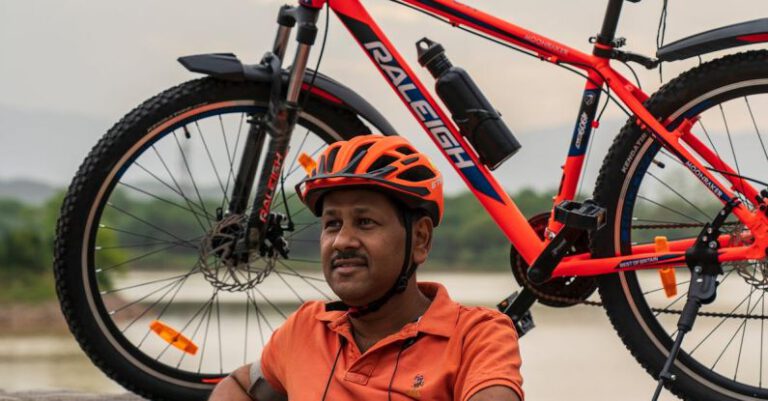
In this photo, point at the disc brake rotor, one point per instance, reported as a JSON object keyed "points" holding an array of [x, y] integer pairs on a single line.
{"points": [[223, 266], [754, 272]]}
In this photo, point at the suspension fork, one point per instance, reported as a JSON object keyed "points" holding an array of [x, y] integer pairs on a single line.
{"points": [[277, 125]]}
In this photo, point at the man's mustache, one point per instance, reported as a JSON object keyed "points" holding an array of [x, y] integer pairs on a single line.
{"points": [[350, 254]]}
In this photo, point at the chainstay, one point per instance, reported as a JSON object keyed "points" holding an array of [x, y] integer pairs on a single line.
{"points": [[576, 301], [675, 225]]}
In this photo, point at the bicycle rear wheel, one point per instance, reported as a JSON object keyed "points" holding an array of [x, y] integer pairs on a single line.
{"points": [[137, 279], [649, 193]]}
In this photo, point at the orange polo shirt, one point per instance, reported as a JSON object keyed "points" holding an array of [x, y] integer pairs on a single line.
{"points": [[451, 353]]}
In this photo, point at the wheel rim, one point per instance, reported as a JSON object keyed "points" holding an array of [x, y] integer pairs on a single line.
{"points": [[124, 293], [643, 289]]}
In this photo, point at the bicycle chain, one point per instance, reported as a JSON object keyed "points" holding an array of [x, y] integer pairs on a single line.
{"points": [[576, 301]]}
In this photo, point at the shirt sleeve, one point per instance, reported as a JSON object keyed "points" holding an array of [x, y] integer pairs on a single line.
{"points": [[490, 357], [272, 366], [276, 355]]}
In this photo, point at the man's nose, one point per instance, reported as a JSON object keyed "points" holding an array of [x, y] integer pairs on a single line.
{"points": [[346, 238]]}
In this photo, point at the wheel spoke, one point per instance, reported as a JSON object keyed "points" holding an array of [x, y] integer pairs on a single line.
{"points": [[669, 209], [720, 323], [165, 241], [273, 307], [733, 150], [757, 131], [304, 278], [258, 316], [190, 203], [231, 156], [137, 258], [163, 200], [661, 288], [678, 195], [180, 191], [139, 219], [189, 171], [735, 333], [210, 158], [131, 287], [176, 285]]}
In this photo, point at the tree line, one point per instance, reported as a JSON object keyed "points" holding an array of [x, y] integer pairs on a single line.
{"points": [[152, 232]]}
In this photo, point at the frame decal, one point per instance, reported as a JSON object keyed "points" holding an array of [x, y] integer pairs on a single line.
{"points": [[411, 94]]}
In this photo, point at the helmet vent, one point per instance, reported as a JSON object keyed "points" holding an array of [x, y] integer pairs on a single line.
{"points": [[382, 161], [416, 174], [405, 150], [356, 158], [331, 158]]}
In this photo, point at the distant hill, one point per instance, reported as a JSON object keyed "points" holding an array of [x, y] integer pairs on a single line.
{"points": [[27, 191], [42, 145]]}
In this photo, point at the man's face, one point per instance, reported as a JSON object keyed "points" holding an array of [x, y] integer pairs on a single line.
{"points": [[361, 244]]}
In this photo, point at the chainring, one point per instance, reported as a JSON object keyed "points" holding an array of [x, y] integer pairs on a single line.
{"points": [[558, 292]]}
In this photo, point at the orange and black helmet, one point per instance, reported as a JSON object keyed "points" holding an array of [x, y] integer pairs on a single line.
{"points": [[389, 164]]}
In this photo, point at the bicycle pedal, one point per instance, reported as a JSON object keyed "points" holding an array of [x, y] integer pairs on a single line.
{"points": [[516, 306], [588, 216]]}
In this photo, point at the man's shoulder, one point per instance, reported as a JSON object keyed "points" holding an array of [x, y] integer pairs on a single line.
{"points": [[473, 318], [308, 312], [305, 317]]}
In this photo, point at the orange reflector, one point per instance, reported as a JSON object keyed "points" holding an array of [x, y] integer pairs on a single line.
{"points": [[667, 274], [173, 337], [307, 162]]}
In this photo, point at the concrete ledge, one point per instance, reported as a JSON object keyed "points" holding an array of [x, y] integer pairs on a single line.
{"points": [[64, 395]]}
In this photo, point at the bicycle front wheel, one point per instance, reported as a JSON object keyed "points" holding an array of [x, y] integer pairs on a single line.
{"points": [[649, 193], [136, 274]]}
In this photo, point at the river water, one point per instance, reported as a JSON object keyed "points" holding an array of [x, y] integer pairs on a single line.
{"points": [[572, 354]]}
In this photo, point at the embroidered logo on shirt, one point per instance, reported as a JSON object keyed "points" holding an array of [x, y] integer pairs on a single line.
{"points": [[418, 382]]}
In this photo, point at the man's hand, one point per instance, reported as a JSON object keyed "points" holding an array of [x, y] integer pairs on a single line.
{"points": [[495, 393], [235, 387], [229, 389]]}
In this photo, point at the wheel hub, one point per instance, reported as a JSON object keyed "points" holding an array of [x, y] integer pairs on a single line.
{"points": [[223, 261], [754, 272]]}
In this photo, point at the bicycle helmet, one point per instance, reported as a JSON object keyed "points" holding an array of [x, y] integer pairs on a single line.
{"points": [[388, 164]]}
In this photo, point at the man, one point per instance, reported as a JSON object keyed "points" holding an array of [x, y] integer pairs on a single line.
{"points": [[389, 338]]}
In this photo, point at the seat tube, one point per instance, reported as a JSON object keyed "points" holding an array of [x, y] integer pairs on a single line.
{"points": [[610, 22], [582, 131]]}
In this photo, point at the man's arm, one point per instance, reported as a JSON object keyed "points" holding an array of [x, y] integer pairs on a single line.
{"points": [[490, 367], [238, 386], [495, 393]]}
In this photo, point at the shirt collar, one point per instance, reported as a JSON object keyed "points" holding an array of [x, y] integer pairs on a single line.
{"points": [[439, 319]]}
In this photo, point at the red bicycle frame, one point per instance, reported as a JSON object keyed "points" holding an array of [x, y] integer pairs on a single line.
{"points": [[481, 182]]}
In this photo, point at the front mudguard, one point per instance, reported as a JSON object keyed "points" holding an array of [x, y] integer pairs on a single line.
{"points": [[228, 67]]}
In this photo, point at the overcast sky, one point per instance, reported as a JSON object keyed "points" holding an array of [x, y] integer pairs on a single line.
{"points": [[71, 68]]}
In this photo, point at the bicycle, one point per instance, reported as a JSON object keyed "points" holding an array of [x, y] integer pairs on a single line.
{"points": [[238, 247]]}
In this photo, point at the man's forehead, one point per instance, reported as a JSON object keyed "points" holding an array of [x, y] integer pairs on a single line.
{"points": [[358, 209], [357, 201]]}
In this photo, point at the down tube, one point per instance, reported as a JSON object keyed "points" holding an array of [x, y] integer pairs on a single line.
{"points": [[442, 131]]}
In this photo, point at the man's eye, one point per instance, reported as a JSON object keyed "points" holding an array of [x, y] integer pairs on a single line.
{"points": [[366, 221], [331, 224]]}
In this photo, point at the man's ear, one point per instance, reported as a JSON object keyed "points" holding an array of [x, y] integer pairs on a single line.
{"points": [[422, 239]]}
